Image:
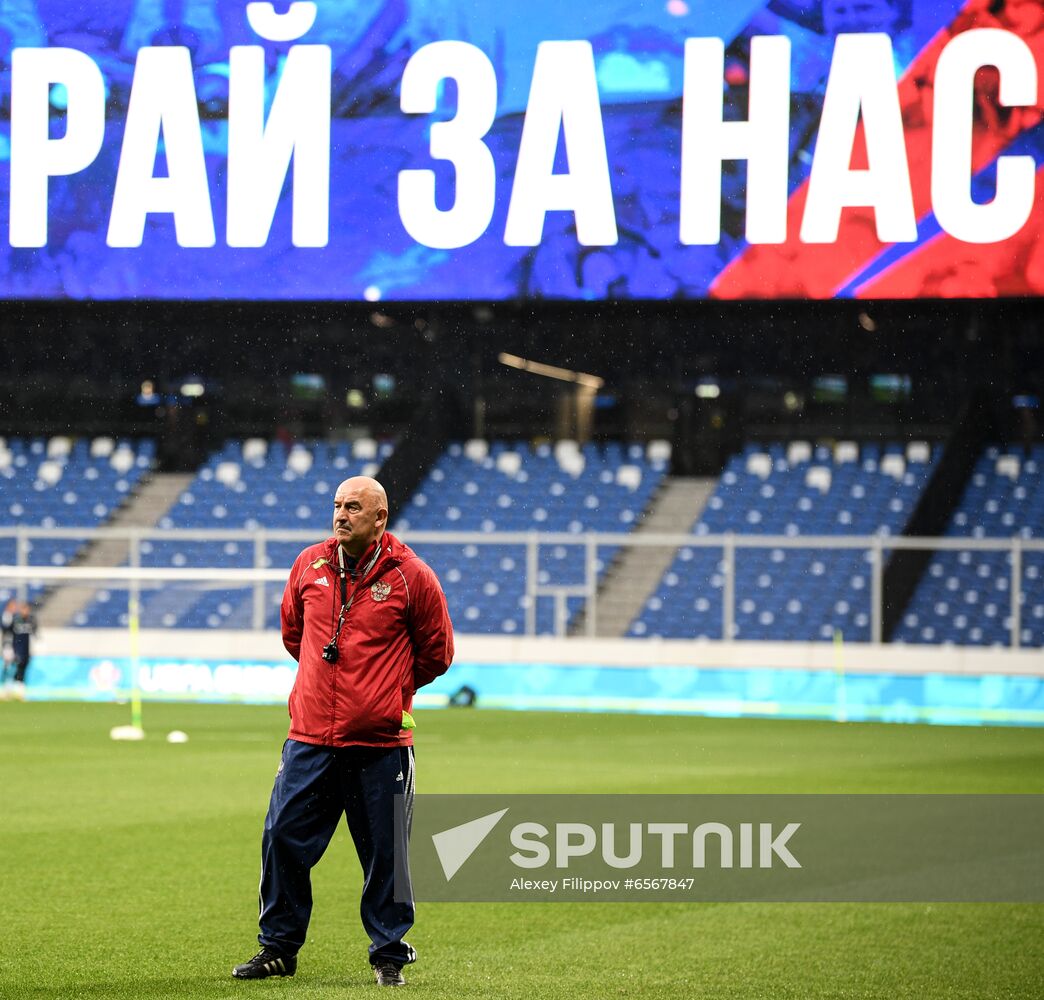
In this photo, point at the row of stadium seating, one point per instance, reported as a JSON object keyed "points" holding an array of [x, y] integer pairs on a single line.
{"points": [[246, 486], [514, 487], [243, 487], [965, 596], [789, 594], [561, 489], [795, 490], [61, 483]]}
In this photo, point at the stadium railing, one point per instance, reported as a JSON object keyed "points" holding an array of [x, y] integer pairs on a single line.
{"points": [[23, 577]]}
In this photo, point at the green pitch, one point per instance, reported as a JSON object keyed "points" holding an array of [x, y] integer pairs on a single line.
{"points": [[130, 870]]}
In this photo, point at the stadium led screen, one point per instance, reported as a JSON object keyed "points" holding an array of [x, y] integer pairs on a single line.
{"points": [[454, 149]]}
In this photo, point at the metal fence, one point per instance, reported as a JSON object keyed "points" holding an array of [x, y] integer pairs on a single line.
{"points": [[24, 572]]}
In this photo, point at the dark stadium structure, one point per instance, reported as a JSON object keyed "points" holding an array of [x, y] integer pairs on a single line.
{"points": [[777, 366], [717, 383]]}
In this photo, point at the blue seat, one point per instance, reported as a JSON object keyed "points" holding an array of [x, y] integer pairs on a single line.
{"points": [[860, 500], [542, 496], [268, 495], [964, 596]]}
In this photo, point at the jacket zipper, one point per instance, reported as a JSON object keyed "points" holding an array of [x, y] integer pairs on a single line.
{"points": [[333, 666]]}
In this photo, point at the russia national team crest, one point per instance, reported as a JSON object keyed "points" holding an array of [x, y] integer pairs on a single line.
{"points": [[380, 590]]}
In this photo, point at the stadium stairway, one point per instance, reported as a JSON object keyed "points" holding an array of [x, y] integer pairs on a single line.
{"points": [[510, 486], [252, 485], [633, 576], [906, 569], [792, 489], [149, 503]]}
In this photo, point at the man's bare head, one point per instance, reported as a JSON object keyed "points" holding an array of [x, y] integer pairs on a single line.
{"points": [[360, 514]]}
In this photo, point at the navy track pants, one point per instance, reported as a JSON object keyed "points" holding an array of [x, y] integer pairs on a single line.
{"points": [[314, 787]]}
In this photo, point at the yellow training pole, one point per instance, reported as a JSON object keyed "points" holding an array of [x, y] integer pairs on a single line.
{"points": [[134, 623], [839, 671]]}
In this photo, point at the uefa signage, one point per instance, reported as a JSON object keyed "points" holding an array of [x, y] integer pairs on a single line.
{"points": [[453, 150]]}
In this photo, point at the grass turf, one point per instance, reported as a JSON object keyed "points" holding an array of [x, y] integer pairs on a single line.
{"points": [[130, 870]]}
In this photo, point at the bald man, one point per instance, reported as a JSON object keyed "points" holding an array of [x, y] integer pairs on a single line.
{"points": [[366, 621]]}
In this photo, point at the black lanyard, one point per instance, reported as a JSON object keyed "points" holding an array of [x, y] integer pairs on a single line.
{"points": [[346, 601], [344, 586]]}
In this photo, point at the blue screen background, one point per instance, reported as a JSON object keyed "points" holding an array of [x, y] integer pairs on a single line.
{"points": [[638, 49]]}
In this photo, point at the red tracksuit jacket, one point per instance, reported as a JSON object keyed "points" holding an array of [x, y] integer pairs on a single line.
{"points": [[397, 636]]}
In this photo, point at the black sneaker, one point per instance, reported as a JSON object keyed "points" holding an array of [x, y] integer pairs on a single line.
{"points": [[267, 962], [388, 974]]}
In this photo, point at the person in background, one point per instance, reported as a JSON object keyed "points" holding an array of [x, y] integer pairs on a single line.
{"points": [[19, 626]]}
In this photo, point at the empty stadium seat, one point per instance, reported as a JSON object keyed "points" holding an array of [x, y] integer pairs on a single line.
{"points": [[506, 487], [243, 486], [787, 593], [61, 482], [965, 596]]}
